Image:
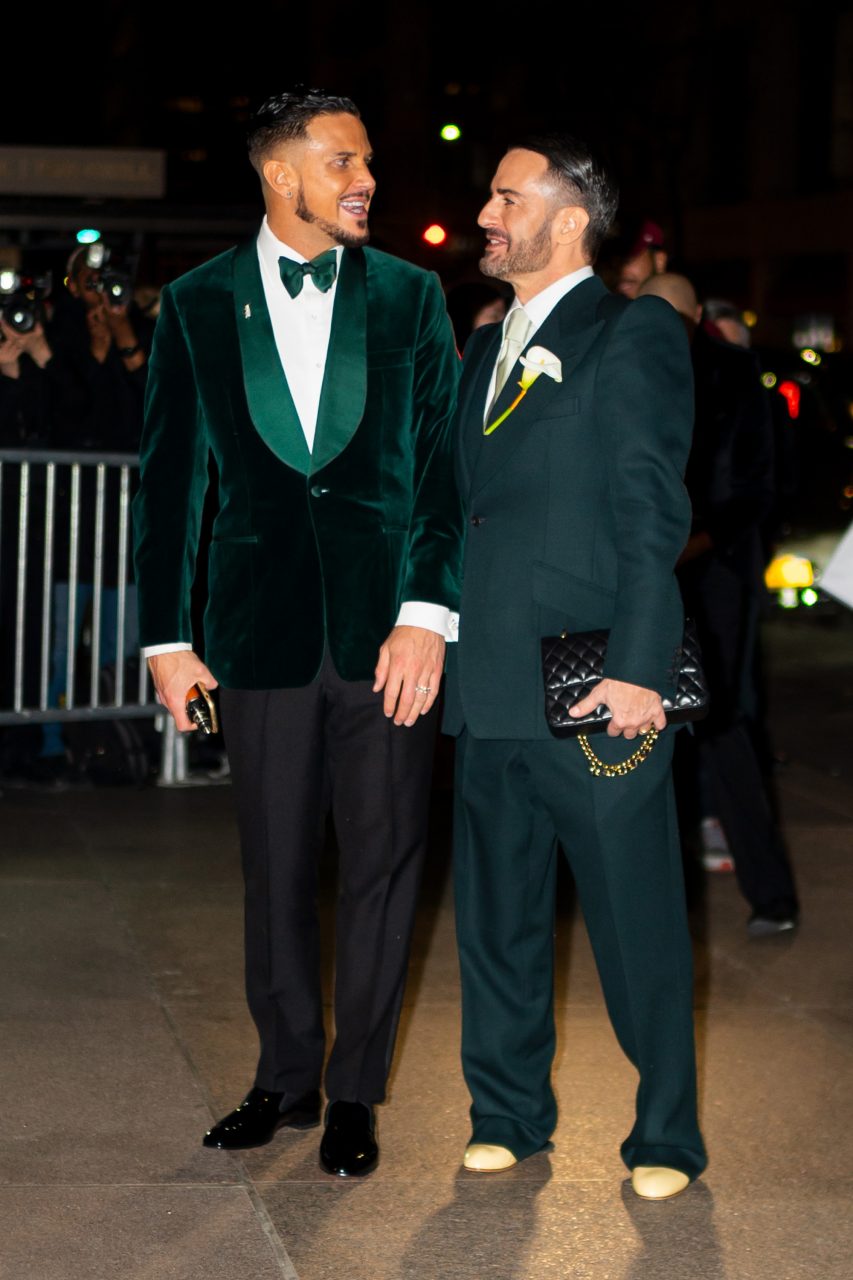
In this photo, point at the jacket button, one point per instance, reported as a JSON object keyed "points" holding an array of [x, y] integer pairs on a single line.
{"points": [[317, 491], [477, 520]]}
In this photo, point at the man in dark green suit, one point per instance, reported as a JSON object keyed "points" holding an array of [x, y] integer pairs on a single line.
{"points": [[576, 515], [320, 376]]}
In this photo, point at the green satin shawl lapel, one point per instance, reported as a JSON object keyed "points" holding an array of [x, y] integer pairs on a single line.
{"points": [[344, 391], [270, 402]]}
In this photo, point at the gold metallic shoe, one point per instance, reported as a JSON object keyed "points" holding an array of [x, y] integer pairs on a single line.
{"points": [[482, 1157], [654, 1182]]}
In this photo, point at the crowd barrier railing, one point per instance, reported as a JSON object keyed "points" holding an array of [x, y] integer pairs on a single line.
{"points": [[80, 501]]}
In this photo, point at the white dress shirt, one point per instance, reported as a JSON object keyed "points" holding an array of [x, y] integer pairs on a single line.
{"points": [[301, 327], [537, 309]]}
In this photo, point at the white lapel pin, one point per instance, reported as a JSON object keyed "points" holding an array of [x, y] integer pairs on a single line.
{"points": [[247, 312]]}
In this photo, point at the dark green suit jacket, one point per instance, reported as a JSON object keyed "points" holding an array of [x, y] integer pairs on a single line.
{"points": [[576, 510], [307, 549]]}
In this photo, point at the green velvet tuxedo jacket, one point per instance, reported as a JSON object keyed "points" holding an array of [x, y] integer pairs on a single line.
{"points": [[307, 549], [576, 510]]}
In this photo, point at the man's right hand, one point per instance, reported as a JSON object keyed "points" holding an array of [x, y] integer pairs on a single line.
{"points": [[174, 674]]}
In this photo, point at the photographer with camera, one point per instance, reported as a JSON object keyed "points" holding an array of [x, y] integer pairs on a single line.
{"points": [[25, 391], [28, 395], [106, 295], [25, 353], [100, 364]]}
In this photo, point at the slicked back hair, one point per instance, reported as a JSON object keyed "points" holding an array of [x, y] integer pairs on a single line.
{"points": [[288, 115], [580, 179]]}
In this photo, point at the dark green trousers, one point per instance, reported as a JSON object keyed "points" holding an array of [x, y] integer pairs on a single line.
{"points": [[514, 801]]}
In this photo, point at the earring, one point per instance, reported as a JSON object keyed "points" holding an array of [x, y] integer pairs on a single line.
{"points": [[289, 194]]}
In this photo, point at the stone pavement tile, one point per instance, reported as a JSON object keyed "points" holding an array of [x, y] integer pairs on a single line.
{"points": [[63, 940], [221, 1043], [506, 1227], [97, 1091], [776, 1103], [41, 845], [181, 836], [190, 940], [135, 1233], [809, 966], [38, 821], [809, 794]]}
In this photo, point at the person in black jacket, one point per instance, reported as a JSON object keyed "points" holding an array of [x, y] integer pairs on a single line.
{"points": [[730, 482], [100, 365]]}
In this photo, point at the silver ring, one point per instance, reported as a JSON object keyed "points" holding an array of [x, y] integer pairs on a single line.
{"points": [[422, 688]]}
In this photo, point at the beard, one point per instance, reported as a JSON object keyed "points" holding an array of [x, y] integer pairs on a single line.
{"points": [[340, 235], [522, 258]]}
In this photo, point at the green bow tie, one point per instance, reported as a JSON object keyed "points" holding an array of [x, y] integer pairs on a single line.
{"points": [[323, 269]]}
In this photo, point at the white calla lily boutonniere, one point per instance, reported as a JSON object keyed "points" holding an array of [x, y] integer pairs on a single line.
{"points": [[538, 360]]}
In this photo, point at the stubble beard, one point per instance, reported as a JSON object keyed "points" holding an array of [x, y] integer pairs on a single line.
{"points": [[522, 259], [340, 235]]}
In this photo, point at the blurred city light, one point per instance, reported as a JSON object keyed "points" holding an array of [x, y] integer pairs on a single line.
{"points": [[750, 319], [809, 596], [88, 235], [788, 598], [791, 392], [768, 380], [451, 133], [788, 571], [810, 356], [435, 234], [8, 280]]}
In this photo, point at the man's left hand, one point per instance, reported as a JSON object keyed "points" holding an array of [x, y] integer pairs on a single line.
{"points": [[409, 670], [633, 709]]}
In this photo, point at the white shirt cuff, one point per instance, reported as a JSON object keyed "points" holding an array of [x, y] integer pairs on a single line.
{"points": [[178, 646], [432, 617]]}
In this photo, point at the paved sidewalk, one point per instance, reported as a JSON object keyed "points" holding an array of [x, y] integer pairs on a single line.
{"points": [[123, 1032]]}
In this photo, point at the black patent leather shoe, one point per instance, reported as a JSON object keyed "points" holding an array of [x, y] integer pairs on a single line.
{"points": [[349, 1145], [258, 1117]]}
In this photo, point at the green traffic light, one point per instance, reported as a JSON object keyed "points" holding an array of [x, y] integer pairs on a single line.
{"points": [[88, 236], [451, 133]]}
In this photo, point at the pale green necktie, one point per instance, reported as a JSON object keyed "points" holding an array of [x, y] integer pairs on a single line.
{"points": [[517, 332]]}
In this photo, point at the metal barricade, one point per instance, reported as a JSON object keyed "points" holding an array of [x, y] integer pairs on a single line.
{"points": [[31, 482]]}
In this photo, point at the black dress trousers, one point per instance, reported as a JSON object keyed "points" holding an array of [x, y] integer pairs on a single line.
{"points": [[295, 755]]}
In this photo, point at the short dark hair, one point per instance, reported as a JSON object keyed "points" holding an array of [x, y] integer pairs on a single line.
{"points": [[582, 177], [287, 115]]}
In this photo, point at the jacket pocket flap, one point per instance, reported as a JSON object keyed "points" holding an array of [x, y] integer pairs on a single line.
{"points": [[576, 597], [565, 407]]}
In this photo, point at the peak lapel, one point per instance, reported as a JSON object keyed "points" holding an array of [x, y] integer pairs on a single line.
{"points": [[344, 391], [270, 402], [568, 332]]}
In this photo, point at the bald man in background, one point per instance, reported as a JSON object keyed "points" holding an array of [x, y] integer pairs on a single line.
{"points": [[730, 479]]}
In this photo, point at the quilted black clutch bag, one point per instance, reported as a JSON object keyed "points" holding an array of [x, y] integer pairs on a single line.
{"points": [[573, 664]]}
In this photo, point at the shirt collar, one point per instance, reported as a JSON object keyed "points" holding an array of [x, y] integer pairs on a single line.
{"points": [[270, 249], [539, 307]]}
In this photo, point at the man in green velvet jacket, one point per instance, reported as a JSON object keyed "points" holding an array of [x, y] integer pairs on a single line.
{"points": [[320, 376], [576, 516]]}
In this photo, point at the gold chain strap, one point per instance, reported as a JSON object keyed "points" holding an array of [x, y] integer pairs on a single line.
{"points": [[600, 769]]}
